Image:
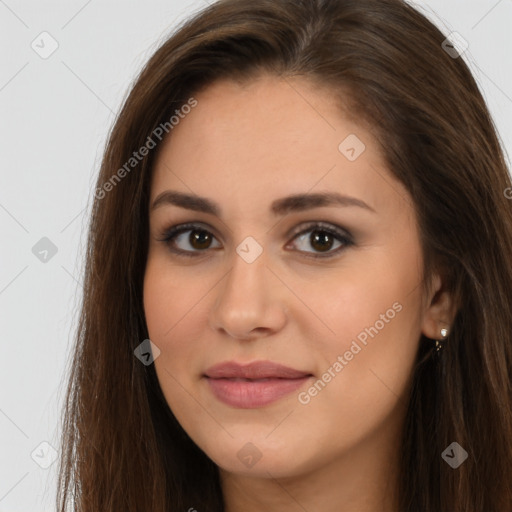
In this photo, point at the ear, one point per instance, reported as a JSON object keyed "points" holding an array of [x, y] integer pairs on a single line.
{"points": [[440, 310]]}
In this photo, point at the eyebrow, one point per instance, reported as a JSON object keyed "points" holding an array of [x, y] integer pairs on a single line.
{"points": [[292, 203]]}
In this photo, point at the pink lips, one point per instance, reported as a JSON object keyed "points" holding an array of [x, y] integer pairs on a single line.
{"points": [[253, 385]]}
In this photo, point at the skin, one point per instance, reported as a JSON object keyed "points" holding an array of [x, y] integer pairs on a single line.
{"points": [[244, 146]]}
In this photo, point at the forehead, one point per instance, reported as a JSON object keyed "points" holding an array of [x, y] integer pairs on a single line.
{"points": [[268, 137], [280, 111]]}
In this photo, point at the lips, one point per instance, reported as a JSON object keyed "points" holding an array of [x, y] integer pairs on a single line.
{"points": [[253, 385], [254, 370]]}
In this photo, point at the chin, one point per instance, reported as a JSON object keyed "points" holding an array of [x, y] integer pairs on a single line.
{"points": [[261, 458]]}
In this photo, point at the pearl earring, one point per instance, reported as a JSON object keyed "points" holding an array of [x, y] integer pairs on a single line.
{"points": [[439, 344]]}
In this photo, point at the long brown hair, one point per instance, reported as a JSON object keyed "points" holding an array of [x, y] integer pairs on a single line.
{"points": [[122, 448]]}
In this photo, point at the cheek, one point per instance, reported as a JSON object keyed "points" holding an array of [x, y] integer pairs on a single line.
{"points": [[169, 300], [169, 307], [374, 302], [373, 315], [175, 310], [155, 304], [364, 368]]}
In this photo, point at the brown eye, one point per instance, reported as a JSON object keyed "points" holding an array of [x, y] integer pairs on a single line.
{"points": [[189, 240], [321, 240], [324, 239], [200, 239]]}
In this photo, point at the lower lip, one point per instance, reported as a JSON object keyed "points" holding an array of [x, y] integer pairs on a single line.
{"points": [[251, 394]]}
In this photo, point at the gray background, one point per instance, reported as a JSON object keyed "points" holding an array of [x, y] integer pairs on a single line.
{"points": [[55, 116]]}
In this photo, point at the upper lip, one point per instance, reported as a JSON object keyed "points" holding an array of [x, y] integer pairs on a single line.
{"points": [[254, 370]]}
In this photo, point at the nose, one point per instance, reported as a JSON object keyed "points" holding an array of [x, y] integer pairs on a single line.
{"points": [[249, 302]]}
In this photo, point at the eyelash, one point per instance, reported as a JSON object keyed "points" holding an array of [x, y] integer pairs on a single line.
{"points": [[341, 235]]}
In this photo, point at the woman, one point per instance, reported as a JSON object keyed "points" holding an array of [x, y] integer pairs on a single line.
{"points": [[298, 282]]}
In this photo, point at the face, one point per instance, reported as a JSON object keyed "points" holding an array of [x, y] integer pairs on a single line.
{"points": [[328, 287]]}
